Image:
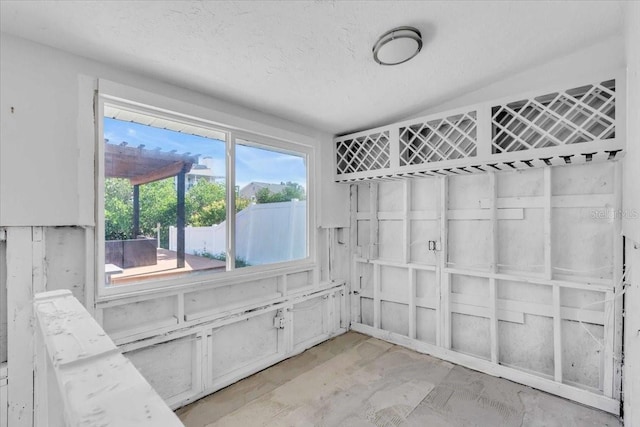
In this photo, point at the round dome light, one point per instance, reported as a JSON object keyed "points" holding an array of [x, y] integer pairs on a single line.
{"points": [[397, 46]]}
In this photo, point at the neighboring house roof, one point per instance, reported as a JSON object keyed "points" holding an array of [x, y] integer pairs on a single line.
{"points": [[249, 191]]}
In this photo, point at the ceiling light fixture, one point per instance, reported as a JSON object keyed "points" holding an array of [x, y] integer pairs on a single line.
{"points": [[397, 46]]}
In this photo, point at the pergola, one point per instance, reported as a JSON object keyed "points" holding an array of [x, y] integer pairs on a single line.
{"points": [[142, 166]]}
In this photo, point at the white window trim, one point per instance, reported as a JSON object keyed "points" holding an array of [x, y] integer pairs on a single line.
{"points": [[247, 130]]}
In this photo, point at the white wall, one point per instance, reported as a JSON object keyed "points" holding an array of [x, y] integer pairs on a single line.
{"points": [[603, 58], [631, 226]]}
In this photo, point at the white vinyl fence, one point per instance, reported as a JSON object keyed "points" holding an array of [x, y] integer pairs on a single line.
{"points": [[265, 233]]}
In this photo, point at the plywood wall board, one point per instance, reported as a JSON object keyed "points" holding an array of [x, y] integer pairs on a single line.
{"points": [[142, 314], [484, 214], [470, 335], [65, 271], [433, 304], [168, 367], [390, 246], [580, 298], [426, 284], [469, 285], [525, 292], [581, 354], [309, 319], [210, 299], [602, 201], [421, 233], [469, 244], [363, 197], [528, 345], [299, 280], [521, 244], [426, 324], [514, 202], [394, 317], [363, 233], [255, 289], [239, 344], [602, 285], [3, 302], [591, 178], [521, 183], [495, 294], [390, 197], [366, 311], [581, 244], [394, 281], [424, 194], [465, 192], [366, 277]]}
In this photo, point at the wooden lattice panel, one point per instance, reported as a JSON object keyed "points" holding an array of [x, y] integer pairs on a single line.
{"points": [[449, 138], [573, 116], [364, 153]]}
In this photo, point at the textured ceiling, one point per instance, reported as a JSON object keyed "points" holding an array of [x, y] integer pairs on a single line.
{"points": [[310, 61]]}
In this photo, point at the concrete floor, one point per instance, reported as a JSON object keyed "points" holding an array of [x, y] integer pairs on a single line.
{"points": [[354, 380]]}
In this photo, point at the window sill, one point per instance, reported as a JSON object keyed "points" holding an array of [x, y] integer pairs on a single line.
{"points": [[117, 295]]}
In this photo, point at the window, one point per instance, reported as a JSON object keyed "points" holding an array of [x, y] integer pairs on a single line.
{"points": [[182, 198], [272, 228]]}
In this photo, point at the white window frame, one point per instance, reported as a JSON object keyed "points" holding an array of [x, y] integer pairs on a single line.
{"points": [[253, 133]]}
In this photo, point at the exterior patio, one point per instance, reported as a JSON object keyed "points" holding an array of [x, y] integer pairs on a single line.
{"points": [[166, 267]]}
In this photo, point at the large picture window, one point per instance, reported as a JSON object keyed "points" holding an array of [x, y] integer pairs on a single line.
{"points": [[181, 198]]}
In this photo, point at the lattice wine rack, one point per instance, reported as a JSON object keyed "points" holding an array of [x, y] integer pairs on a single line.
{"points": [[553, 128]]}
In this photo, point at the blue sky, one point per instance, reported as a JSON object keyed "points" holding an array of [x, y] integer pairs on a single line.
{"points": [[252, 164]]}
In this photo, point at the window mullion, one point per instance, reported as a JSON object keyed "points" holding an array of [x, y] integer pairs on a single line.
{"points": [[231, 201]]}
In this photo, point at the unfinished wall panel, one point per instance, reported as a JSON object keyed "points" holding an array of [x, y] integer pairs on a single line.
{"points": [[469, 244], [394, 317], [511, 291], [582, 243], [240, 344], [199, 303], [424, 194], [366, 311], [511, 268], [394, 283], [3, 302], [309, 320], [138, 316], [423, 231], [427, 286], [528, 345], [426, 325], [582, 354], [390, 246], [64, 271], [520, 183], [171, 367], [520, 243], [470, 335], [299, 280], [390, 196]]}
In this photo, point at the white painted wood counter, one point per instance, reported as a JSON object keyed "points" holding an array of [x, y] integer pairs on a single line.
{"points": [[79, 367]]}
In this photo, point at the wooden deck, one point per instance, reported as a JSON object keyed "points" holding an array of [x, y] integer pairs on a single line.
{"points": [[167, 267]]}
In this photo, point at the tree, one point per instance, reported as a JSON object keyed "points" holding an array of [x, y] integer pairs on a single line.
{"points": [[201, 195], [205, 205], [292, 190], [118, 209], [158, 203]]}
